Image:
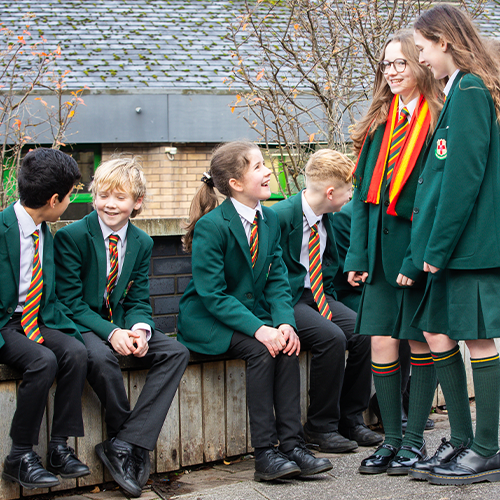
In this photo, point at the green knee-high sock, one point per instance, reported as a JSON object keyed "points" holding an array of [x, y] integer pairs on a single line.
{"points": [[450, 371], [423, 386], [387, 379], [486, 372]]}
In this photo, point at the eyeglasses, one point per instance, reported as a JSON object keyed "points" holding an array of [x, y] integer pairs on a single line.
{"points": [[399, 65]]}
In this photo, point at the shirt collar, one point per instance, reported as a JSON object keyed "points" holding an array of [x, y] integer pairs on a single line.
{"points": [[246, 212], [447, 88], [309, 214], [107, 232], [27, 224], [410, 106]]}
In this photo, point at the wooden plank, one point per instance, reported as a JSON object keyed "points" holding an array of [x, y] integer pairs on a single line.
{"points": [[191, 419], [214, 435], [66, 484], [137, 379], [304, 366], [169, 440], [8, 400], [92, 422], [236, 411], [41, 449]]}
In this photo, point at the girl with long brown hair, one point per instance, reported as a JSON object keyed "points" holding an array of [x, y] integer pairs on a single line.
{"points": [[390, 141]]}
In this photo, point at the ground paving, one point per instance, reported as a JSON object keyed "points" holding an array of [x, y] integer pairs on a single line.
{"points": [[235, 482]]}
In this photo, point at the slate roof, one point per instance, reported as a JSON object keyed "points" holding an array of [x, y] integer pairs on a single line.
{"points": [[174, 45]]}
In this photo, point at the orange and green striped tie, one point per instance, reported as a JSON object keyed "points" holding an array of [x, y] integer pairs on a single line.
{"points": [[316, 275], [254, 239], [398, 137], [29, 318], [113, 271]]}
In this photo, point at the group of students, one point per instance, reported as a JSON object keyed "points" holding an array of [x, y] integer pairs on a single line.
{"points": [[424, 241]]}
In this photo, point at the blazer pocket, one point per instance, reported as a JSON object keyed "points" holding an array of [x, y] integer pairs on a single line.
{"points": [[198, 324], [439, 149]]}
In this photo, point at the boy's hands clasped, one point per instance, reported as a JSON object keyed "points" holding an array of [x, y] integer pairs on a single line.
{"points": [[279, 339], [126, 342]]}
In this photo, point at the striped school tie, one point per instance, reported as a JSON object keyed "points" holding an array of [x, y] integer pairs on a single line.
{"points": [[29, 318], [254, 239], [113, 271], [398, 137], [316, 275]]}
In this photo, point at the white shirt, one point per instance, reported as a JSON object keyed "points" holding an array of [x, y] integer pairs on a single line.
{"points": [[27, 250], [308, 220], [447, 88], [410, 107], [121, 246], [247, 216]]}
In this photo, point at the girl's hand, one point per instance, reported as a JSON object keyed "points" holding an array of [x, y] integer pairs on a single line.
{"points": [[430, 269], [354, 276], [403, 280], [293, 341], [272, 338]]}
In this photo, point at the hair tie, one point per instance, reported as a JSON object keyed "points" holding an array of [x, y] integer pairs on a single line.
{"points": [[207, 179]]}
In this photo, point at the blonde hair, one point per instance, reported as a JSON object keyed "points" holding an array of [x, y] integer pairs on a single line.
{"points": [[329, 165], [123, 173], [229, 161], [469, 50], [378, 112]]}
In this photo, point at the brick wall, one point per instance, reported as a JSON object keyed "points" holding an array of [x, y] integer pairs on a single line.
{"points": [[171, 183], [170, 273]]}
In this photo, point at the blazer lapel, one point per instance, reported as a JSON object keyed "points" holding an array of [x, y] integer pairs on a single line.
{"points": [[263, 245], [133, 246], [236, 227], [297, 233], [12, 234], [100, 251], [47, 259]]}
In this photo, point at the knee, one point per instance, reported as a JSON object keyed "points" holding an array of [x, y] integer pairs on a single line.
{"points": [[383, 346], [181, 354], [44, 365]]}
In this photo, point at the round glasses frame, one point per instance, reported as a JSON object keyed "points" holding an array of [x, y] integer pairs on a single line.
{"points": [[398, 64]]}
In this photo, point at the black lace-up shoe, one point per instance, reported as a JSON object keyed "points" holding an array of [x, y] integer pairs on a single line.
{"points": [[143, 465], [28, 472], [273, 464], [120, 462], [308, 463], [63, 461], [328, 442], [444, 454]]}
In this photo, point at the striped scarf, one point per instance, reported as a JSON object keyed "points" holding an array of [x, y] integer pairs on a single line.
{"points": [[369, 173]]}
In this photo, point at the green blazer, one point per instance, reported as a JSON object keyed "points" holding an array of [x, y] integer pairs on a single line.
{"points": [[52, 313], [290, 215], [456, 216], [372, 228], [225, 291], [81, 277]]}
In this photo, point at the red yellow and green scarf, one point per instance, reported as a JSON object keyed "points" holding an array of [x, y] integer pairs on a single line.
{"points": [[370, 171]]}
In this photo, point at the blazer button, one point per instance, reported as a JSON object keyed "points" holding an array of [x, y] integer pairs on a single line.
{"points": [[249, 296], [10, 310], [386, 203], [386, 231], [415, 210], [420, 180]]}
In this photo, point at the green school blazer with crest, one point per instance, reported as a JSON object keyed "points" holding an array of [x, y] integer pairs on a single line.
{"points": [[456, 216], [290, 215], [52, 312], [226, 294], [81, 277]]}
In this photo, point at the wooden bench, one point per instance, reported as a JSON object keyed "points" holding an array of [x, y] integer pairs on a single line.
{"points": [[207, 421]]}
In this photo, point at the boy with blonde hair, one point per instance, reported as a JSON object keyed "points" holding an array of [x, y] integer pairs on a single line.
{"points": [[102, 276], [339, 392]]}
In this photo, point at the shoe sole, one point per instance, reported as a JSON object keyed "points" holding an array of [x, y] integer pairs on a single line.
{"points": [[368, 444], [340, 449], [68, 476], [99, 449], [29, 486], [420, 475], [491, 476], [398, 471], [315, 470], [263, 476]]}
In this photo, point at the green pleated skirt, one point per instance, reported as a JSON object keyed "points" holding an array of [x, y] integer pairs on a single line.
{"points": [[463, 304]]}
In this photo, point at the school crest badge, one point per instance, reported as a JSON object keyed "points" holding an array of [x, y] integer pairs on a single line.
{"points": [[441, 151]]}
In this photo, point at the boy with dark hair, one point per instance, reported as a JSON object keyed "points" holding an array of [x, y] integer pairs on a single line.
{"points": [[339, 392], [36, 336], [103, 277]]}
